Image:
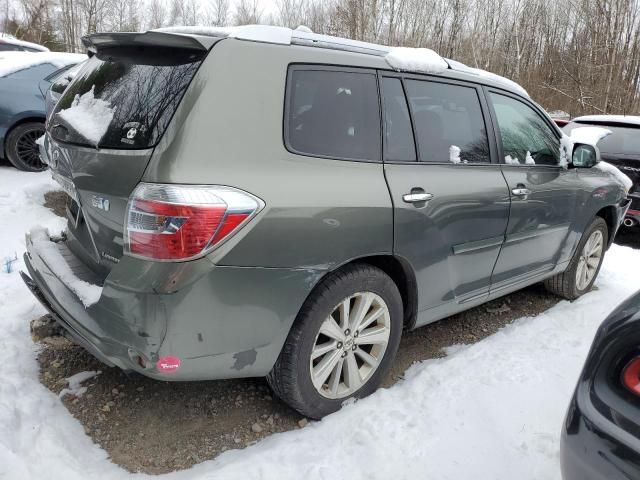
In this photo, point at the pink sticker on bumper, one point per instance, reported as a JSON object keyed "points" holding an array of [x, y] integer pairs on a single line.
{"points": [[168, 364]]}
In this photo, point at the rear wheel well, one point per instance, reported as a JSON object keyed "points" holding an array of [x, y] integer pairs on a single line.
{"points": [[18, 123], [402, 275], [608, 214]]}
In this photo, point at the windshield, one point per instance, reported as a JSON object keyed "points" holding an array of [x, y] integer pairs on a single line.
{"points": [[622, 140], [124, 100]]}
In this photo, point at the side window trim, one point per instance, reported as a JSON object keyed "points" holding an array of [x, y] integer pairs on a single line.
{"points": [[496, 128], [387, 74], [306, 67], [485, 109]]}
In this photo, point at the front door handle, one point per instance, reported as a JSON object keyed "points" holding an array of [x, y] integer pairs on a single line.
{"points": [[417, 197], [521, 191]]}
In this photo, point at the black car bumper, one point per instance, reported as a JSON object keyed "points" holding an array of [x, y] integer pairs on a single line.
{"points": [[592, 448]]}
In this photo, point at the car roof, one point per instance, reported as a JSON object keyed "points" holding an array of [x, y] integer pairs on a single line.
{"points": [[6, 38], [417, 60], [11, 62], [617, 120]]}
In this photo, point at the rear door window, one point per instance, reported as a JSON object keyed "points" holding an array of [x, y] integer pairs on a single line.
{"points": [[448, 122], [333, 114], [124, 99], [527, 139]]}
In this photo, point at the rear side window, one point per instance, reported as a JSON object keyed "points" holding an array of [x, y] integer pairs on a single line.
{"points": [[333, 114], [124, 99], [398, 136], [448, 122]]}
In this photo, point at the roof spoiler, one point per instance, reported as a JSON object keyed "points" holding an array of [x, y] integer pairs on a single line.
{"points": [[98, 41]]}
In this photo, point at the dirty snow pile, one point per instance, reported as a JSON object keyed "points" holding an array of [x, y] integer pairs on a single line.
{"points": [[491, 410], [75, 382], [12, 62], [89, 116]]}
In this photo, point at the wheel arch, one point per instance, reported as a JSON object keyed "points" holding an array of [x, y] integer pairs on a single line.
{"points": [[402, 274], [608, 214]]}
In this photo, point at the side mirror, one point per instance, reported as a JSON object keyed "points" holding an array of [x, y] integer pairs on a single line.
{"points": [[585, 155]]}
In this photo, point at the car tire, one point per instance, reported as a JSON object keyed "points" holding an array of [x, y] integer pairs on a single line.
{"points": [[339, 302], [21, 148], [574, 282]]}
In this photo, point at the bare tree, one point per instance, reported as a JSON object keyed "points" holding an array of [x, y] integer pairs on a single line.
{"points": [[247, 13], [218, 12]]}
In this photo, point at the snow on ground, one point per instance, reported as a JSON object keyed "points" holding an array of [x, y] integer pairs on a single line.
{"points": [[492, 410]]}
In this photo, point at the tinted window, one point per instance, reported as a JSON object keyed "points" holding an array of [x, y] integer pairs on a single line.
{"points": [[398, 136], [526, 137], [124, 100], [333, 114], [37, 72], [447, 116], [8, 47], [63, 78], [622, 140]]}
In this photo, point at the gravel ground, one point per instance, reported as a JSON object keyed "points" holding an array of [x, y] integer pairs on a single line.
{"points": [[157, 427]]}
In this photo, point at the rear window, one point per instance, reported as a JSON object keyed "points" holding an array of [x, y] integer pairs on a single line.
{"points": [[333, 114], [124, 99], [621, 140]]}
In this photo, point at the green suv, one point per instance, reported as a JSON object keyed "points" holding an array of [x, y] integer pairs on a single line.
{"points": [[260, 201]]}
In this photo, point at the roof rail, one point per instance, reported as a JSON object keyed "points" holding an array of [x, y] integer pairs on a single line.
{"points": [[302, 37]]}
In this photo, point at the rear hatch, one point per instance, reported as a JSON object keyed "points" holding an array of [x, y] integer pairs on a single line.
{"points": [[105, 126]]}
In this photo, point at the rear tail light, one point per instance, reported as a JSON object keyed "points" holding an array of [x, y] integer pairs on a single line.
{"points": [[631, 376], [180, 222]]}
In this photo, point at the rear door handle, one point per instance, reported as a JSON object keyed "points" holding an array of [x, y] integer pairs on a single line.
{"points": [[417, 197]]}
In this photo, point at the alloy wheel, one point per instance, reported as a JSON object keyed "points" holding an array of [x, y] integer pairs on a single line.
{"points": [[350, 345], [589, 260], [27, 149]]}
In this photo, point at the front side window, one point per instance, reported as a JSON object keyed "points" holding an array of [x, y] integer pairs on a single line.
{"points": [[333, 114], [526, 138], [448, 122]]}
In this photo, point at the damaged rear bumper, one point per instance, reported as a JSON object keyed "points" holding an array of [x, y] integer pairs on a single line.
{"points": [[219, 321]]}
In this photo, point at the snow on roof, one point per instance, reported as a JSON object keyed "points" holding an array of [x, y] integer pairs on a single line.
{"points": [[589, 135], [6, 38], [11, 62], [503, 81], [407, 59], [423, 60], [629, 119], [559, 114]]}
